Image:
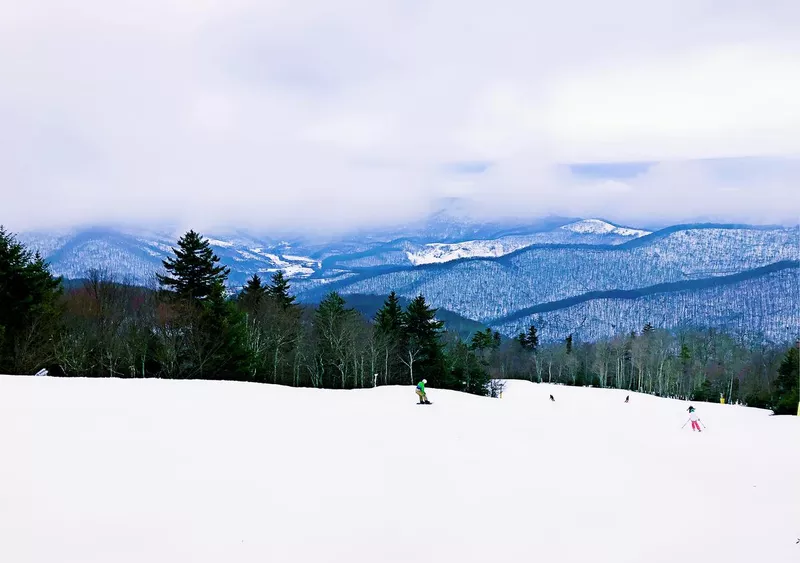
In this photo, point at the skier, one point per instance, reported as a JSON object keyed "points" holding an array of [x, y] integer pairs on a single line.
{"points": [[423, 398], [552, 399], [627, 398], [694, 418]]}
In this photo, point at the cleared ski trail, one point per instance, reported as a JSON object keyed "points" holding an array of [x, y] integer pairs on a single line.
{"points": [[95, 471]]}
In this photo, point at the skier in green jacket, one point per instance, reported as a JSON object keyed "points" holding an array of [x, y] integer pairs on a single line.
{"points": [[423, 398]]}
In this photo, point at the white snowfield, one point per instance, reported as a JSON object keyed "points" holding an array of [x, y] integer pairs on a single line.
{"points": [[100, 471]]}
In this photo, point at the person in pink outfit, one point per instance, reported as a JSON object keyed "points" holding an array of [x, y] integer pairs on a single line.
{"points": [[694, 418]]}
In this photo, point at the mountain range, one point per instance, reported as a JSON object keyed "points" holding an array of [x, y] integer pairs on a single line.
{"points": [[586, 277]]}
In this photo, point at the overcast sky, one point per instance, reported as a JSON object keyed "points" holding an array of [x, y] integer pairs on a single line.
{"points": [[293, 113]]}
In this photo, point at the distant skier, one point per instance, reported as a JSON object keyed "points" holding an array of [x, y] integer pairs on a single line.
{"points": [[552, 399], [423, 398], [627, 398], [694, 418]]}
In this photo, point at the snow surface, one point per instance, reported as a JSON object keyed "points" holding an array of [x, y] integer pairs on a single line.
{"points": [[438, 252], [164, 471], [220, 243], [599, 227], [589, 231]]}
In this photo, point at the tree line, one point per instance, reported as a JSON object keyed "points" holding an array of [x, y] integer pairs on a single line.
{"points": [[188, 326], [698, 365]]}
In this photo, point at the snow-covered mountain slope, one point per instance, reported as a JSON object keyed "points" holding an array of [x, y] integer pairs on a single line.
{"points": [[590, 231], [599, 227], [137, 255], [482, 280], [765, 307], [137, 470], [415, 251], [485, 289]]}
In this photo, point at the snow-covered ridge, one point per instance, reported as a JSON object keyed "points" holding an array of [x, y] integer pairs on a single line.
{"points": [[599, 227], [437, 253], [485, 290], [588, 231]]}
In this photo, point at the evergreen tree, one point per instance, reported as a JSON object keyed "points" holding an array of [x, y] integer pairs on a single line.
{"points": [[483, 340], [193, 274], [252, 293], [532, 339], [686, 358], [389, 318], [568, 343], [389, 327], [278, 290], [467, 370], [474, 374], [214, 330], [647, 330], [219, 334], [29, 312], [787, 384], [522, 338], [422, 333]]}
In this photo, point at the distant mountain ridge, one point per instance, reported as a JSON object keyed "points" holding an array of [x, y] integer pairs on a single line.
{"points": [[511, 272]]}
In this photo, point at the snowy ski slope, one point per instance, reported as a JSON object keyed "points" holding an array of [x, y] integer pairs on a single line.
{"points": [[95, 471]]}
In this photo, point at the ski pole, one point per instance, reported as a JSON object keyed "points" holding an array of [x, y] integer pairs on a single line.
{"points": [[685, 423], [701, 422]]}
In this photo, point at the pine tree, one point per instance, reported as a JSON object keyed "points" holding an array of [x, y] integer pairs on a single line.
{"points": [[483, 340], [686, 361], [279, 290], [568, 343], [422, 333], [29, 297], [193, 274], [532, 339], [389, 318], [468, 370], [522, 338], [389, 327], [474, 375], [787, 385], [252, 293], [215, 331], [647, 330], [220, 334]]}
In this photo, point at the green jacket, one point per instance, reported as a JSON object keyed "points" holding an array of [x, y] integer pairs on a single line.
{"points": [[421, 386]]}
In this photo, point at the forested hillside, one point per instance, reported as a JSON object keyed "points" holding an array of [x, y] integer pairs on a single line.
{"points": [[761, 304], [488, 289], [518, 273]]}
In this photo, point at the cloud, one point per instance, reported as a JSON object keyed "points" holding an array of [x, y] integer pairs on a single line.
{"points": [[310, 115]]}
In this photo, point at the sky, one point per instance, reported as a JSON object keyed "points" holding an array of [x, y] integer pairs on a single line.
{"points": [[312, 114]]}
